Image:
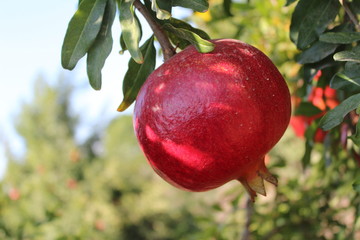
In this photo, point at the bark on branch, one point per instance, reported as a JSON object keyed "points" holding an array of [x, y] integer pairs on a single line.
{"points": [[167, 49]]}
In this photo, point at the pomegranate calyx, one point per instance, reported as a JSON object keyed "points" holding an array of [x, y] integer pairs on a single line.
{"points": [[267, 176], [255, 184]]}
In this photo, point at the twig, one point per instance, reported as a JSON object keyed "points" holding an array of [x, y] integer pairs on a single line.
{"points": [[351, 15], [167, 48], [249, 212]]}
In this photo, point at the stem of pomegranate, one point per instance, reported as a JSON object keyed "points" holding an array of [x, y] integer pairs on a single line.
{"points": [[167, 49]]}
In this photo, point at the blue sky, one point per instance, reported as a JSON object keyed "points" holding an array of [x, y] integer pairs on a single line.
{"points": [[31, 38]]}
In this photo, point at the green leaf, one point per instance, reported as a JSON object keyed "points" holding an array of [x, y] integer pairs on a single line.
{"points": [[162, 8], [196, 5], [297, 19], [307, 109], [316, 52], [310, 19], [181, 24], [356, 137], [355, 6], [349, 79], [227, 7], [200, 44], [217, 207], [309, 143], [180, 42], [131, 29], [307, 154], [335, 116], [340, 37], [165, 5], [102, 46], [122, 44], [81, 33], [310, 70], [289, 2], [356, 184], [138, 73], [352, 56], [342, 82]]}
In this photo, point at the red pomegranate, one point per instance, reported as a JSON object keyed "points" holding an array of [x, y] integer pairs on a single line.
{"points": [[203, 119], [324, 99]]}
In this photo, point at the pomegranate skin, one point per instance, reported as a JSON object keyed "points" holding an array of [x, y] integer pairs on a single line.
{"points": [[203, 119]]}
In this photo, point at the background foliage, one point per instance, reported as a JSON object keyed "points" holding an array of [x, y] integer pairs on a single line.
{"points": [[104, 189]]}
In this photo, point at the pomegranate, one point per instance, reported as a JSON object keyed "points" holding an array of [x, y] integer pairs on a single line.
{"points": [[323, 98], [203, 119]]}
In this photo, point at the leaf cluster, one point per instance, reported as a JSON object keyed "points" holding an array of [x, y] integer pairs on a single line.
{"points": [[89, 33], [326, 33]]}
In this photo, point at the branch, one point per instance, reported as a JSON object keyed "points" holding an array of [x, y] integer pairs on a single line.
{"points": [[167, 48], [249, 213], [351, 15]]}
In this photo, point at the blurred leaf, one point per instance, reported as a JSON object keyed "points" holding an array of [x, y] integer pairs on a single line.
{"points": [[227, 7], [307, 154], [289, 2], [352, 56], [138, 73], [216, 207], [340, 37], [316, 52], [162, 8], [131, 29], [356, 137], [309, 144], [196, 5], [310, 19], [356, 184], [355, 6], [102, 46], [235, 202], [335, 116], [81, 33], [200, 44], [307, 109]]}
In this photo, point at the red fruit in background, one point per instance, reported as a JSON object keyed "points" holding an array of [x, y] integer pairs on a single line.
{"points": [[299, 125], [100, 225], [14, 194], [205, 119], [71, 183], [322, 98]]}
